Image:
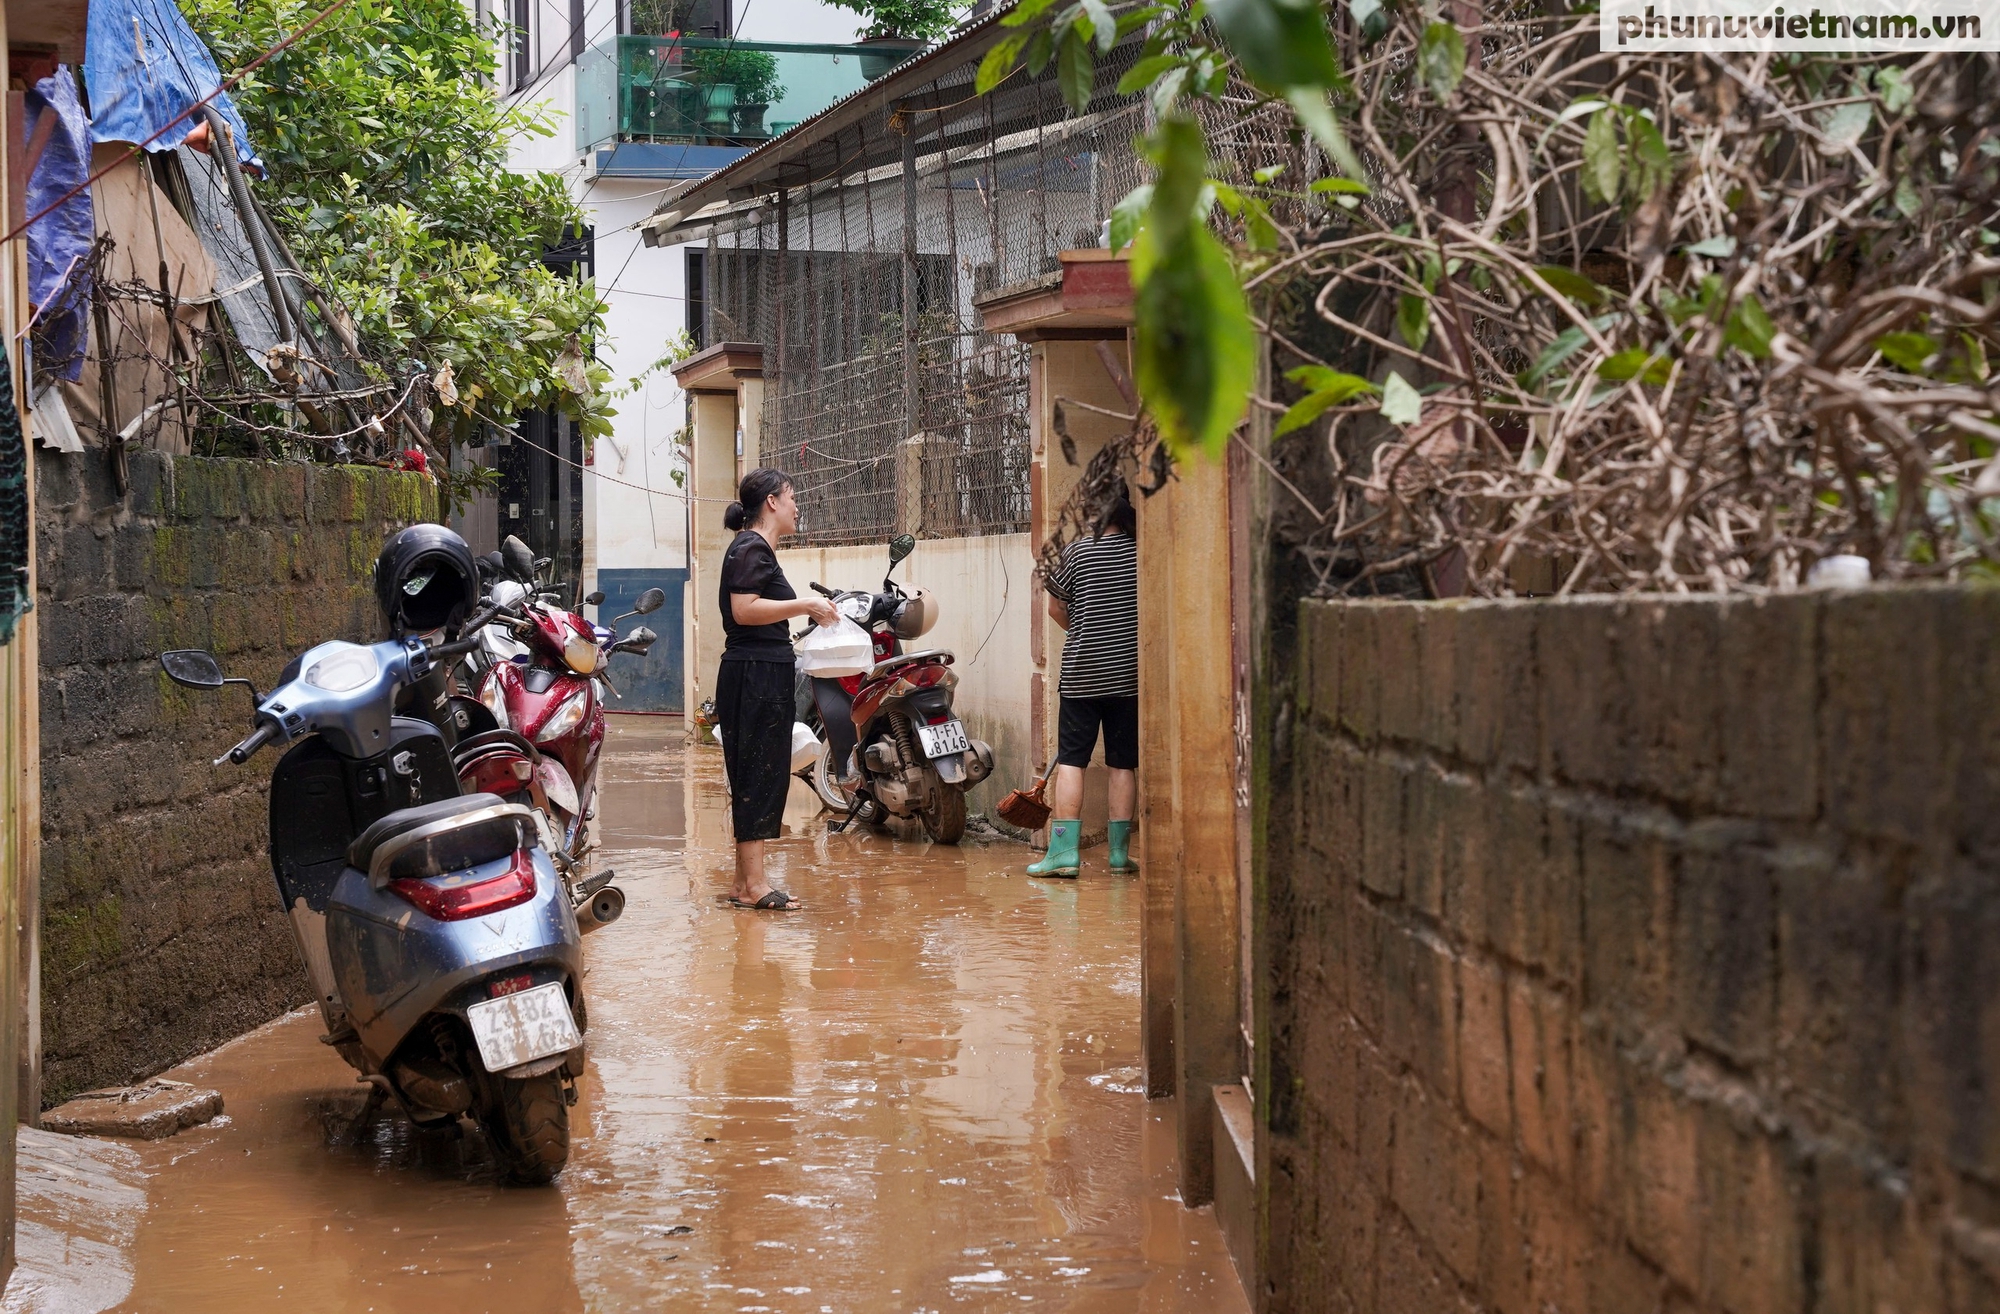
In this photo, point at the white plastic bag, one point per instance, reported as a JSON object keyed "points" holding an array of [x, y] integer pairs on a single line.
{"points": [[832, 651], [806, 746]]}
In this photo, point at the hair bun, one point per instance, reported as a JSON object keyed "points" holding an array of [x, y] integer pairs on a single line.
{"points": [[732, 516]]}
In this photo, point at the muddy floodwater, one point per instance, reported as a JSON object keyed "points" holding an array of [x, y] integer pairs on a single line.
{"points": [[921, 1093]]}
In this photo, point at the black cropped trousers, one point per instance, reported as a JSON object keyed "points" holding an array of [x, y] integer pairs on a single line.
{"points": [[753, 706]]}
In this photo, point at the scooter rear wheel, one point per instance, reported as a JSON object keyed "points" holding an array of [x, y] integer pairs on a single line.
{"points": [[530, 1127], [944, 819], [822, 782]]}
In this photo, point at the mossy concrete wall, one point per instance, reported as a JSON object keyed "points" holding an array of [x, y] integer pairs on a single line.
{"points": [[161, 930], [1636, 955]]}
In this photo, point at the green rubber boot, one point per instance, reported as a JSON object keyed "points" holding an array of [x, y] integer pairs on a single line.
{"points": [[1121, 844], [1060, 860]]}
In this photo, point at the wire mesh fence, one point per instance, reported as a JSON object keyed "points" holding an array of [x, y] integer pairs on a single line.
{"points": [[884, 397]]}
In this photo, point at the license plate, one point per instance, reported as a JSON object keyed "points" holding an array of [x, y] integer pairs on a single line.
{"points": [[943, 740], [517, 1029]]}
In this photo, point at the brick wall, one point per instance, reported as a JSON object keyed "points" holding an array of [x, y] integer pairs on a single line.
{"points": [[161, 930], [1637, 955]]}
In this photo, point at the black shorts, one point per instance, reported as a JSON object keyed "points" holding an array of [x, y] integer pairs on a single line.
{"points": [[1076, 731], [754, 707]]}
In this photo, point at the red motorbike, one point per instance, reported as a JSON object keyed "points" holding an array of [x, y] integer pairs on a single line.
{"points": [[911, 756], [538, 727]]}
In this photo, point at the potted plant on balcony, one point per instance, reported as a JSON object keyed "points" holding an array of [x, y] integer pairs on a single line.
{"points": [[741, 86], [896, 23]]}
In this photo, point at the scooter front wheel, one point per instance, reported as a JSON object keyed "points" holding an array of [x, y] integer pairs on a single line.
{"points": [[529, 1127]]}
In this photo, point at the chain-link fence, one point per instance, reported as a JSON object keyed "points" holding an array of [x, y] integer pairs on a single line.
{"points": [[883, 396]]}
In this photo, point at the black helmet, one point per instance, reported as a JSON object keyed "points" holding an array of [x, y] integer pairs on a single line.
{"points": [[425, 579]]}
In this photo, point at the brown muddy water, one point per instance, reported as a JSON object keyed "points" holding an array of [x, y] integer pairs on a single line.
{"points": [[920, 1093]]}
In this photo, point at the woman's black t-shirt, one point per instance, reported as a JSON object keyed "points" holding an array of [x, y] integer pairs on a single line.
{"points": [[750, 566]]}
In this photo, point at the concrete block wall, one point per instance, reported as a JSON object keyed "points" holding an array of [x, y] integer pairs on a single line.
{"points": [[161, 930], [1636, 955]]}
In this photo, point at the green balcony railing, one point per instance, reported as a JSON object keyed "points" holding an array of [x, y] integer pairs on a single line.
{"points": [[701, 89]]}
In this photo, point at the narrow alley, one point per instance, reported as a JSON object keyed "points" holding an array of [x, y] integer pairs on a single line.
{"points": [[922, 1092]]}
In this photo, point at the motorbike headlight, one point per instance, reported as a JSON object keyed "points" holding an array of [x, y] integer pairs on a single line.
{"points": [[496, 702], [565, 719], [343, 671], [582, 653]]}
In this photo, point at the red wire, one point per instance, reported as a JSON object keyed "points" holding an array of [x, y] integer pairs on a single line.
{"points": [[227, 85]]}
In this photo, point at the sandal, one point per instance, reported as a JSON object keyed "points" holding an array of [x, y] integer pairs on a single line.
{"points": [[775, 901]]}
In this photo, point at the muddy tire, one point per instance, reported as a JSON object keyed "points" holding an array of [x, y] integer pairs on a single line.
{"points": [[822, 782], [944, 819], [530, 1128]]}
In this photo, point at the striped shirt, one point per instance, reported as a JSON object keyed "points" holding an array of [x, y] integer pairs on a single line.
{"points": [[1098, 580]]}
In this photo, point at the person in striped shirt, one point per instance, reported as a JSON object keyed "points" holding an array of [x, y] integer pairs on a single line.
{"points": [[1094, 596]]}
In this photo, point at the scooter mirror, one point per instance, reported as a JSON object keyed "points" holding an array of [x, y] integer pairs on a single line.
{"points": [[193, 667], [518, 558], [650, 601], [595, 598], [902, 545]]}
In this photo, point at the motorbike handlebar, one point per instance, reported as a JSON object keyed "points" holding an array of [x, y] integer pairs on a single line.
{"points": [[823, 590], [262, 735], [478, 621]]}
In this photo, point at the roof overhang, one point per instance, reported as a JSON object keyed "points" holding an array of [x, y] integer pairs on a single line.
{"points": [[1090, 298], [721, 367]]}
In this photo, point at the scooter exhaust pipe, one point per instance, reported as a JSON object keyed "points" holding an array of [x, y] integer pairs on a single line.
{"points": [[602, 909]]}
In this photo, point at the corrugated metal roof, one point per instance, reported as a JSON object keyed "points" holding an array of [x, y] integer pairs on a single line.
{"points": [[761, 170]]}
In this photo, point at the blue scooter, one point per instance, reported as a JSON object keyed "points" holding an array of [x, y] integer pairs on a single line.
{"points": [[438, 936]]}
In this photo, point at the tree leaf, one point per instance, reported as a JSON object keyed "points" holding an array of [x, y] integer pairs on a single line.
{"points": [[1076, 71], [1324, 378], [1141, 75], [1892, 84], [1168, 89], [1750, 329], [1715, 248], [1401, 404], [1026, 12], [1103, 25], [1370, 18], [1907, 351], [1601, 165], [1195, 351], [1639, 363], [1346, 186], [1127, 215], [1561, 348], [1278, 44], [1843, 126], [1441, 59], [1651, 164], [1413, 320], [1041, 46], [1909, 202], [1318, 118], [1330, 388], [1573, 285], [999, 62]]}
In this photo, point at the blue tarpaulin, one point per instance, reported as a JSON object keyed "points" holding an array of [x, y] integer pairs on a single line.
{"points": [[146, 66], [59, 242]]}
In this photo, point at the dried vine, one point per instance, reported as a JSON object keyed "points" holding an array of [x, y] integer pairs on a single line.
{"points": [[1598, 322]]}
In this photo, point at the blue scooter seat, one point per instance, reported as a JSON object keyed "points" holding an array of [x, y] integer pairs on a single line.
{"points": [[361, 853]]}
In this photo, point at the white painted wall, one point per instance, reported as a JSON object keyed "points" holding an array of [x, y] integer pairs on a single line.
{"points": [[626, 527]]}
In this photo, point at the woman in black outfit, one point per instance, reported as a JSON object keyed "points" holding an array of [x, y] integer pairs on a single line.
{"points": [[754, 688]]}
